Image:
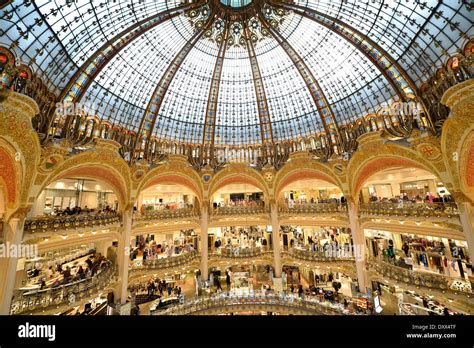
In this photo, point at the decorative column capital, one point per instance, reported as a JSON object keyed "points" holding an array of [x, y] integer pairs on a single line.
{"points": [[272, 202], [460, 99], [205, 206], [460, 197], [21, 104], [20, 213], [128, 207]]}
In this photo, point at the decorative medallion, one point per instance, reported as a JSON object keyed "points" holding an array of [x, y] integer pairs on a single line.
{"points": [[206, 178], [429, 151], [338, 168], [269, 176], [237, 15]]}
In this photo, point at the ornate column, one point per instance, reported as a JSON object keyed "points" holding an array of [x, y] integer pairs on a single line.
{"points": [[277, 281], [13, 232], [204, 241], [466, 215], [358, 240], [457, 144], [123, 255]]}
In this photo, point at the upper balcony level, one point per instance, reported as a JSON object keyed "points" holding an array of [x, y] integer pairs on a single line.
{"points": [[254, 301], [77, 222], [414, 210]]}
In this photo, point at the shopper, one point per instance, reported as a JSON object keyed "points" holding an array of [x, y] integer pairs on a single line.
{"points": [[300, 290], [218, 283], [227, 280]]}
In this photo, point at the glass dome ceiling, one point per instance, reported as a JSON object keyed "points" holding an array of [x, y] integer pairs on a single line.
{"points": [[236, 3], [288, 68]]}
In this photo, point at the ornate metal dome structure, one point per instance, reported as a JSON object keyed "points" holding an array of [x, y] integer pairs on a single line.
{"points": [[204, 75]]}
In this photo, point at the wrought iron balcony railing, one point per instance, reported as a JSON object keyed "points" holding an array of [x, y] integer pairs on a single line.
{"points": [[165, 214], [239, 252], [319, 256], [254, 298], [239, 210], [435, 281], [33, 300], [166, 262], [315, 208], [426, 210], [62, 223]]}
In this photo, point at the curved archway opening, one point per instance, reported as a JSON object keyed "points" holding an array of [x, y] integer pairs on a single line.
{"points": [[74, 196], [167, 195], [169, 187], [408, 184], [383, 164], [308, 187], [237, 191]]}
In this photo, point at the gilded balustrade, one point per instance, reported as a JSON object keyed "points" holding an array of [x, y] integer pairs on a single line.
{"points": [[165, 214], [427, 210], [239, 252], [318, 256], [315, 208], [239, 210], [62, 223], [435, 281], [166, 262], [252, 299], [34, 300]]}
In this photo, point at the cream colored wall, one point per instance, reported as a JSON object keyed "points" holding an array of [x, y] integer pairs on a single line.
{"points": [[384, 190], [89, 199], [110, 199], [172, 197], [160, 238]]}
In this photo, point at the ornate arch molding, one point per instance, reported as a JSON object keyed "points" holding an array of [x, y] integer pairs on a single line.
{"points": [[17, 138], [11, 175], [236, 173], [467, 165], [305, 169], [374, 156], [176, 173], [457, 139], [103, 164]]}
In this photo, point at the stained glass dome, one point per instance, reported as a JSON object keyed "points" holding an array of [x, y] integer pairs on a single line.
{"points": [[236, 3], [261, 71]]}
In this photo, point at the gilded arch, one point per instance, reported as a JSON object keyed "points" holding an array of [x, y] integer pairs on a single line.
{"points": [[173, 173], [305, 169], [374, 156], [457, 139], [237, 173], [103, 165], [17, 138]]}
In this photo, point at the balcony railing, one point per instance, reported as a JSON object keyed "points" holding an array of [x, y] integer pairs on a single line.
{"points": [[426, 210], [435, 281], [33, 300], [315, 208], [253, 298], [239, 210], [320, 256], [165, 214], [61, 223], [238, 252], [166, 262]]}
